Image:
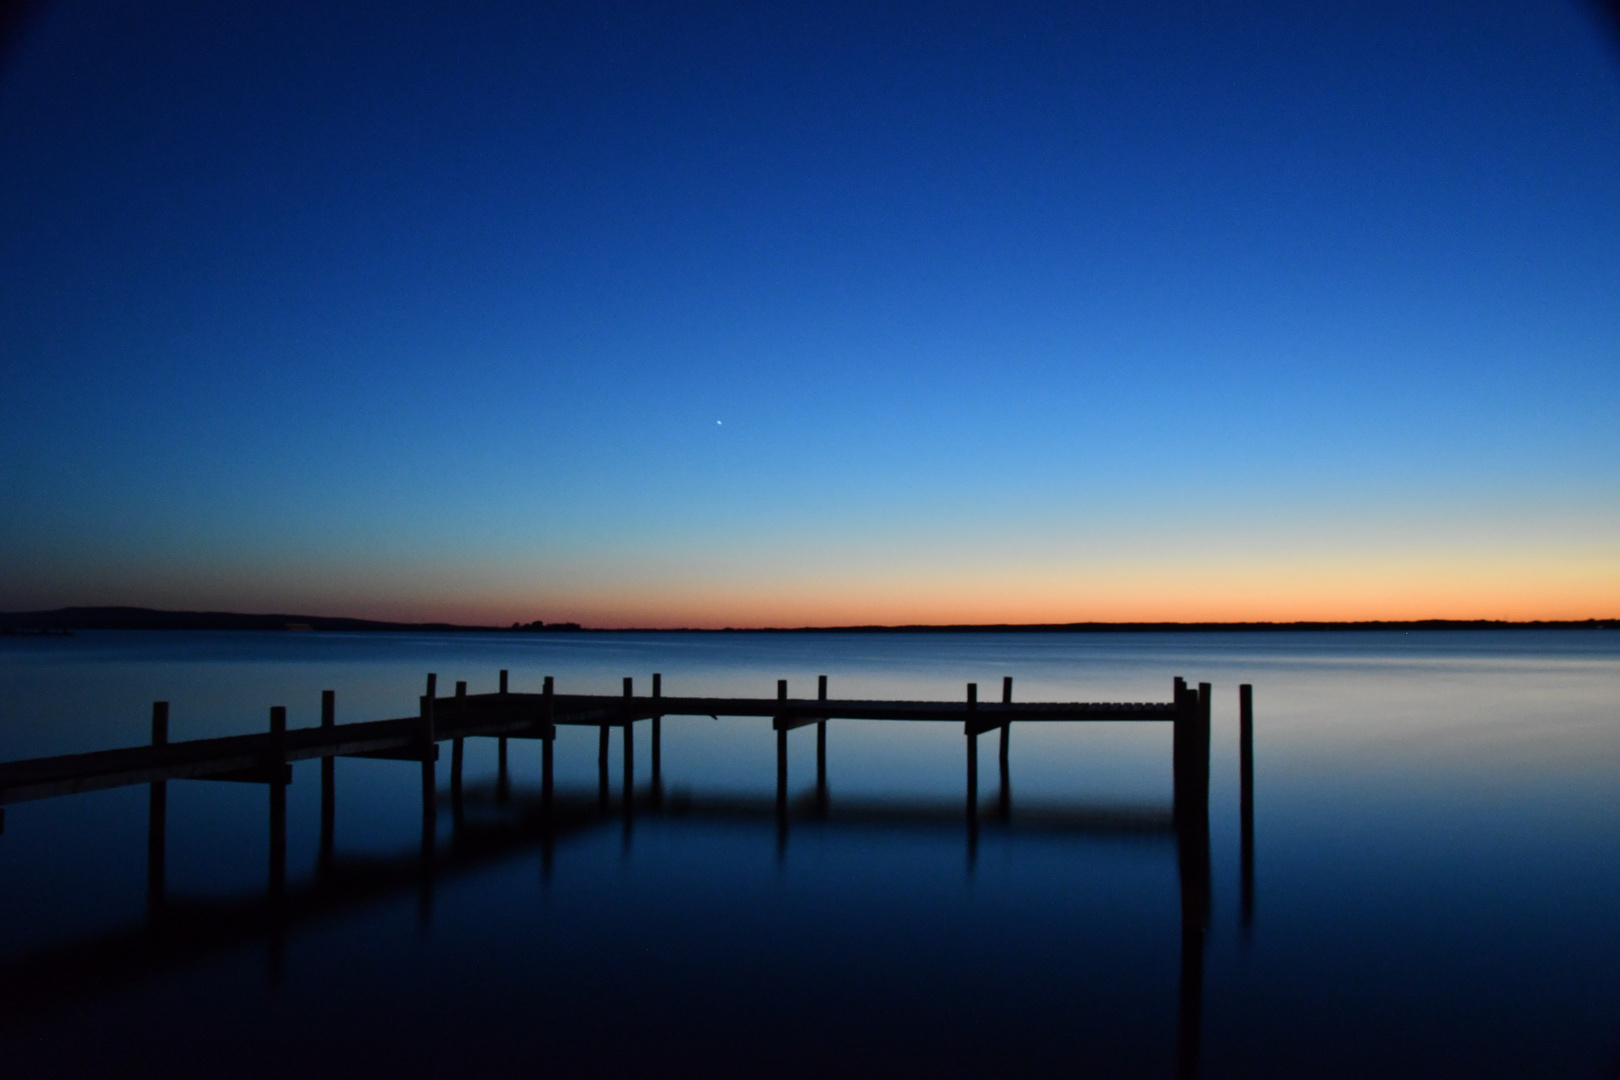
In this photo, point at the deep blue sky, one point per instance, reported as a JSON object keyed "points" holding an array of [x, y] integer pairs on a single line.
{"points": [[1004, 311]]}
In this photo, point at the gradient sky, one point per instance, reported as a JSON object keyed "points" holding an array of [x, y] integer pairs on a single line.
{"points": [[778, 314]]}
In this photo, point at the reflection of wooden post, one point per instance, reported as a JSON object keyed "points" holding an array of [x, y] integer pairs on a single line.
{"points": [[629, 763], [328, 784], [1192, 851], [657, 744], [821, 750], [548, 738], [1246, 795], [781, 749], [157, 810]]}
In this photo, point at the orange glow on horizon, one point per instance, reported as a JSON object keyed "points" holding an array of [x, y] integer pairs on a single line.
{"points": [[1208, 594]]}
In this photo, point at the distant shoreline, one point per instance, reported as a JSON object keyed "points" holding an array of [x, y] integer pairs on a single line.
{"points": [[132, 618]]}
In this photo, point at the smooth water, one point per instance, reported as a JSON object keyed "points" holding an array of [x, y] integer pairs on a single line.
{"points": [[1435, 891]]}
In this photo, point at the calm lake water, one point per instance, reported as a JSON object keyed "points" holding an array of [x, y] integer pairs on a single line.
{"points": [[1436, 867]]}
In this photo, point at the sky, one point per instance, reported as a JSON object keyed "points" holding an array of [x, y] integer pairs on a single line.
{"points": [[640, 314]]}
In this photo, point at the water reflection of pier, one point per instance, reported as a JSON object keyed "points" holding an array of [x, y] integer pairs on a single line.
{"points": [[179, 931]]}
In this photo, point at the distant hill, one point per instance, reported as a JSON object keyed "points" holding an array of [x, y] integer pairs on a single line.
{"points": [[135, 618]]}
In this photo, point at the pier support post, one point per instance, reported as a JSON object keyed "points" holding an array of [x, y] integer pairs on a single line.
{"points": [[278, 838], [657, 744], [503, 779], [972, 730], [328, 786], [972, 752], [549, 737], [1006, 740], [1246, 797], [781, 753], [157, 810], [1193, 864], [821, 751], [427, 739], [1190, 752], [602, 769]]}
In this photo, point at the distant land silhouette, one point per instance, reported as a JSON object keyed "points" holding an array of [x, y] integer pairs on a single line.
{"points": [[136, 618]]}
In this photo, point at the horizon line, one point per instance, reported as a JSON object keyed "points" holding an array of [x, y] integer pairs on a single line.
{"points": [[141, 618]]}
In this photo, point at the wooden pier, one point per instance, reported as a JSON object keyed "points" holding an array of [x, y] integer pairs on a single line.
{"points": [[267, 758]]}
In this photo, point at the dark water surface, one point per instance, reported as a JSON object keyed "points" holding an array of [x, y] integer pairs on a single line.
{"points": [[1436, 868]]}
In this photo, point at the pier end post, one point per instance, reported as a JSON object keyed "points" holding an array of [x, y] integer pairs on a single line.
{"points": [[548, 739], [781, 753], [629, 762], [972, 751], [821, 750], [1246, 804], [503, 779], [1005, 794]]}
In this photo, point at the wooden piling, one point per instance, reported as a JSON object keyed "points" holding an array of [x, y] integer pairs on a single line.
{"points": [[328, 786], [1246, 800], [1004, 796], [1201, 751], [781, 754], [503, 780], [972, 752], [427, 745], [821, 750], [657, 743], [1190, 752], [1193, 868], [157, 809], [548, 712]]}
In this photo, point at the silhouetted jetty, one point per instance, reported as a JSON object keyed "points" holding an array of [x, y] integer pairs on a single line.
{"points": [[175, 932], [266, 758]]}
